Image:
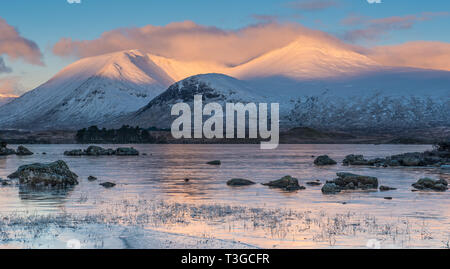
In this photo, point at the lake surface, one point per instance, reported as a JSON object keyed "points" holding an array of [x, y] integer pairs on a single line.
{"points": [[410, 219]]}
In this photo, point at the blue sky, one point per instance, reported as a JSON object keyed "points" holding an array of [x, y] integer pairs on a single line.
{"points": [[47, 21]]}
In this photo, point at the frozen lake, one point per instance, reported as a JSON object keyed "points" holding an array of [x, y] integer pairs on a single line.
{"points": [[151, 194]]}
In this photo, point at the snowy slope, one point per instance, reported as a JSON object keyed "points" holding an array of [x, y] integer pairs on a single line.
{"points": [[306, 58], [96, 89], [214, 88]]}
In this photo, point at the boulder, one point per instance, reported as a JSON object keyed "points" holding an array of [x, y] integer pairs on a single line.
{"points": [[355, 160], [4, 151], [287, 183], [75, 152], [314, 183], [386, 188], [330, 188], [349, 181], [98, 151], [92, 178], [23, 151], [126, 152], [411, 161], [324, 160], [216, 162], [4, 182], [431, 184], [108, 184], [51, 174], [358, 180], [239, 182]]}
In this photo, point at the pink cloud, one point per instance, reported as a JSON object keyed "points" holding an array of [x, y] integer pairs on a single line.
{"points": [[10, 87], [16, 47], [418, 54], [193, 42]]}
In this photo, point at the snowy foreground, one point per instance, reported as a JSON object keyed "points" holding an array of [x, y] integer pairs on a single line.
{"points": [[150, 225]]}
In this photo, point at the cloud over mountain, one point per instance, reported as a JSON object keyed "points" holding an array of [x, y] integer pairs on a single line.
{"points": [[15, 46], [189, 41], [419, 54]]}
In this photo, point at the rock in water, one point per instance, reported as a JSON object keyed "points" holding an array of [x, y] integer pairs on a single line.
{"points": [[431, 184], [330, 188], [349, 181], [4, 151], [108, 184], [75, 152], [23, 151], [92, 178], [355, 160], [126, 152], [314, 183], [287, 183], [52, 174], [324, 160], [386, 188], [216, 162], [98, 151], [239, 182], [362, 182]]}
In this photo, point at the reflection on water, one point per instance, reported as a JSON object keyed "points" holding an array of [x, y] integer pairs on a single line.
{"points": [[159, 176]]}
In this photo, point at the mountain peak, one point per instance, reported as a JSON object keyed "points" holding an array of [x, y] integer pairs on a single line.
{"points": [[306, 58]]}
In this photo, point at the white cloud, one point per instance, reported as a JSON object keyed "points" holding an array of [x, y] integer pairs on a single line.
{"points": [[74, 1], [374, 1]]}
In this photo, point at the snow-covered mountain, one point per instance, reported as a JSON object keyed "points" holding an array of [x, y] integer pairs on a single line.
{"points": [[213, 87], [304, 59], [96, 89], [320, 84]]}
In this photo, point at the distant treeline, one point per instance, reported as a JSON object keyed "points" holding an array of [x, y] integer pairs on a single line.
{"points": [[124, 135]]}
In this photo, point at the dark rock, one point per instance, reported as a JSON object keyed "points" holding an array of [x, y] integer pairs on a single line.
{"points": [[127, 152], [324, 160], [358, 180], [386, 188], [92, 178], [108, 184], [186, 180], [349, 181], [411, 161], [388, 198], [355, 160], [75, 152], [4, 182], [314, 183], [431, 184], [52, 174], [98, 151], [330, 188], [216, 162], [287, 183], [239, 182], [23, 151], [4, 151]]}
